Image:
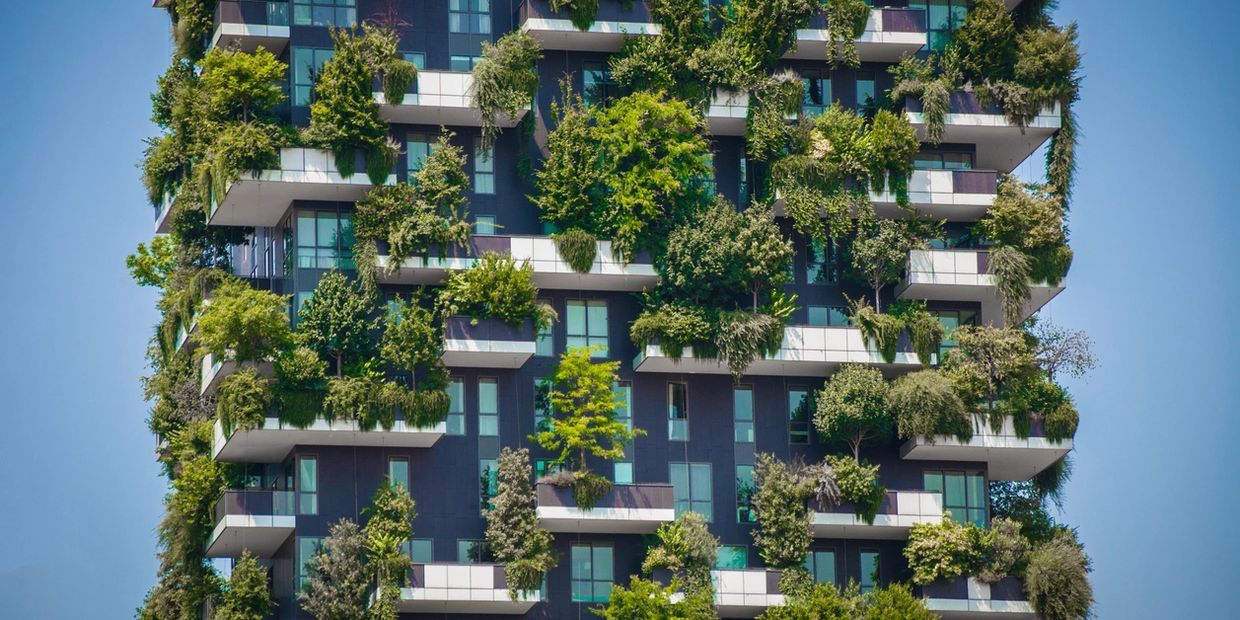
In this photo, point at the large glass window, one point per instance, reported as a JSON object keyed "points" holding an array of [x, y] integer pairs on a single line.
{"points": [[592, 573], [324, 240], [307, 485], [488, 407], [597, 85], [456, 407], [865, 92], [334, 13], [398, 471], [542, 404], [869, 570], [418, 147], [421, 551], [815, 93], [731, 557], [484, 168], [586, 325], [677, 412], [470, 551], [623, 470], [307, 546], [469, 16], [691, 488], [828, 316], [822, 265], [943, 161], [821, 564], [799, 404], [488, 479], [544, 345], [307, 63], [462, 63], [742, 413], [943, 17], [964, 494], [744, 494], [951, 319]]}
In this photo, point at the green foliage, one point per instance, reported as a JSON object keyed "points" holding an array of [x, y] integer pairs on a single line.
{"points": [[852, 407], [240, 84], [584, 405], [989, 362], [858, 485], [762, 31], [569, 183], [389, 525], [881, 331], [367, 400], [646, 599], [879, 253], [770, 102], [412, 340], [338, 580], [344, 116], [245, 324], [153, 265], [398, 75], [1025, 503], [247, 596], [925, 404], [1057, 579], [1032, 221], [1003, 551], [687, 549], [845, 23], [513, 533], [895, 602], [740, 337], [243, 400], [239, 147], [987, 42], [672, 326], [932, 79], [925, 329], [1011, 271], [891, 144], [192, 21], [578, 248], [495, 287], [505, 80], [580, 12], [588, 489], [943, 550], [335, 321], [165, 162], [819, 602], [301, 384], [780, 507]]}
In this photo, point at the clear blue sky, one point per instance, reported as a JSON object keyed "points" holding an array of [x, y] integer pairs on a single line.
{"points": [[1155, 282]]}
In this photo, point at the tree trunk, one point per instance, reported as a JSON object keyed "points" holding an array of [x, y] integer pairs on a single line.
{"points": [[877, 306], [339, 365]]}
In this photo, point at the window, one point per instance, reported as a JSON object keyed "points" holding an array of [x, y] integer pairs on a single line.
{"points": [[421, 551], [865, 92], [742, 182], [398, 471], [943, 17], [964, 494], [815, 94], [307, 63], [463, 64], [587, 325], [677, 412], [691, 488], [707, 181], [822, 262], [484, 168], [869, 571], [484, 224], [456, 407], [335, 13], [742, 413], [543, 467], [592, 573], [542, 404], [419, 146], [624, 413], [731, 557], [488, 479], [324, 240], [744, 494], [829, 316], [469, 16], [821, 564], [799, 405], [544, 346], [951, 319], [943, 161], [597, 86], [488, 407], [307, 485], [470, 551], [307, 546], [623, 472], [418, 59]]}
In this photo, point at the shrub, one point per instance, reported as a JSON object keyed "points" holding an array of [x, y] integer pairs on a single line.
{"points": [[925, 404], [301, 384], [943, 550], [1061, 422], [241, 85], [495, 287], [1057, 579], [568, 184], [924, 328], [742, 337], [895, 602], [672, 326], [686, 548], [246, 323], [578, 248], [240, 147], [646, 599], [412, 340], [852, 407], [337, 581], [819, 602], [335, 321], [344, 117], [243, 400], [513, 533], [1003, 550], [858, 485], [365, 400], [779, 506], [247, 596], [505, 80]]}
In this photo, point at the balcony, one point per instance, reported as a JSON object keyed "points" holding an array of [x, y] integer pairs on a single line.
{"points": [[625, 509], [163, 212], [439, 98], [490, 343], [1000, 145], [256, 520], [900, 511], [473, 589], [215, 370], [274, 440], [808, 351], [304, 174], [615, 20], [962, 275], [1007, 456], [250, 24], [727, 113], [890, 33], [966, 598], [608, 273], [745, 593], [955, 195]]}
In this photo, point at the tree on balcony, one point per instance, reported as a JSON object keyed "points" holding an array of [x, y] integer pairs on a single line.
{"points": [[513, 534], [247, 595], [335, 321], [852, 407], [242, 85], [389, 525], [687, 549], [243, 323], [648, 599], [337, 578]]}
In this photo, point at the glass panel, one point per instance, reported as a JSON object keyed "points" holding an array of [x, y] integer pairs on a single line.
{"points": [[308, 474], [678, 423], [602, 564], [398, 472], [456, 408], [575, 322], [869, 570], [933, 481], [744, 493], [955, 489], [484, 224], [421, 551], [742, 414], [623, 473], [488, 396], [824, 567], [731, 557], [596, 319]]}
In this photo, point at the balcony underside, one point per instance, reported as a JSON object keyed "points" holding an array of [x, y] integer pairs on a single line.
{"points": [[981, 289], [438, 110], [471, 602], [249, 37], [602, 36], [274, 441], [262, 535], [262, 201], [871, 46], [1006, 458], [954, 609], [604, 520], [849, 525], [1000, 145], [461, 353]]}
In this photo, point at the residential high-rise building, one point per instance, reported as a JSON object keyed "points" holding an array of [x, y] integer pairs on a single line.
{"points": [[849, 132]]}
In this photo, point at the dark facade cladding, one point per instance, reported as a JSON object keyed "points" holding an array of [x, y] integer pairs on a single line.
{"points": [[446, 480]]}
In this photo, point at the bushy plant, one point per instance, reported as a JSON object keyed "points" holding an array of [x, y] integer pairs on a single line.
{"points": [[569, 182], [1061, 421], [1057, 579], [987, 42], [389, 524], [1030, 219], [337, 580], [1003, 551], [242, 401], [925, 329], [505, 80], [943, 550], [895, 602], [153, 265], [247, 595], [672, 326], [301, 384], [852, 407], [780, 507], [878, 255], [336, 321], [412, 340], [513, 534], [687, 549], [646, 599], [241, 85], [366, 400], [344, 116], [242, 322], [239, 147], [496, 287], [858, 485], [578, 248], [819, 602], [925, 404]]}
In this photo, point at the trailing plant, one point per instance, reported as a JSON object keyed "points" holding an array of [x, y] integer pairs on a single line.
{"points": [[1011, 271], [932, 80], [925, 329], [243, 323], [337, 580], [925, 404], [687, 549], [1057, 579], [389, 525], [858, 485], [781, 510], [771, 101], [1003, 551], [239, 147], [243, 400], [741, 337], [891, 144], [581, 13], [845, 23], [852, 407], [1030, 219], [578, 248], [367, 400], [192, 21], [942, 550], [335, 321], [246, 597], [646, 599], [672, 326], [496, 287], [513, 533], [1060, 422], [300, 386], [505, 80]]}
